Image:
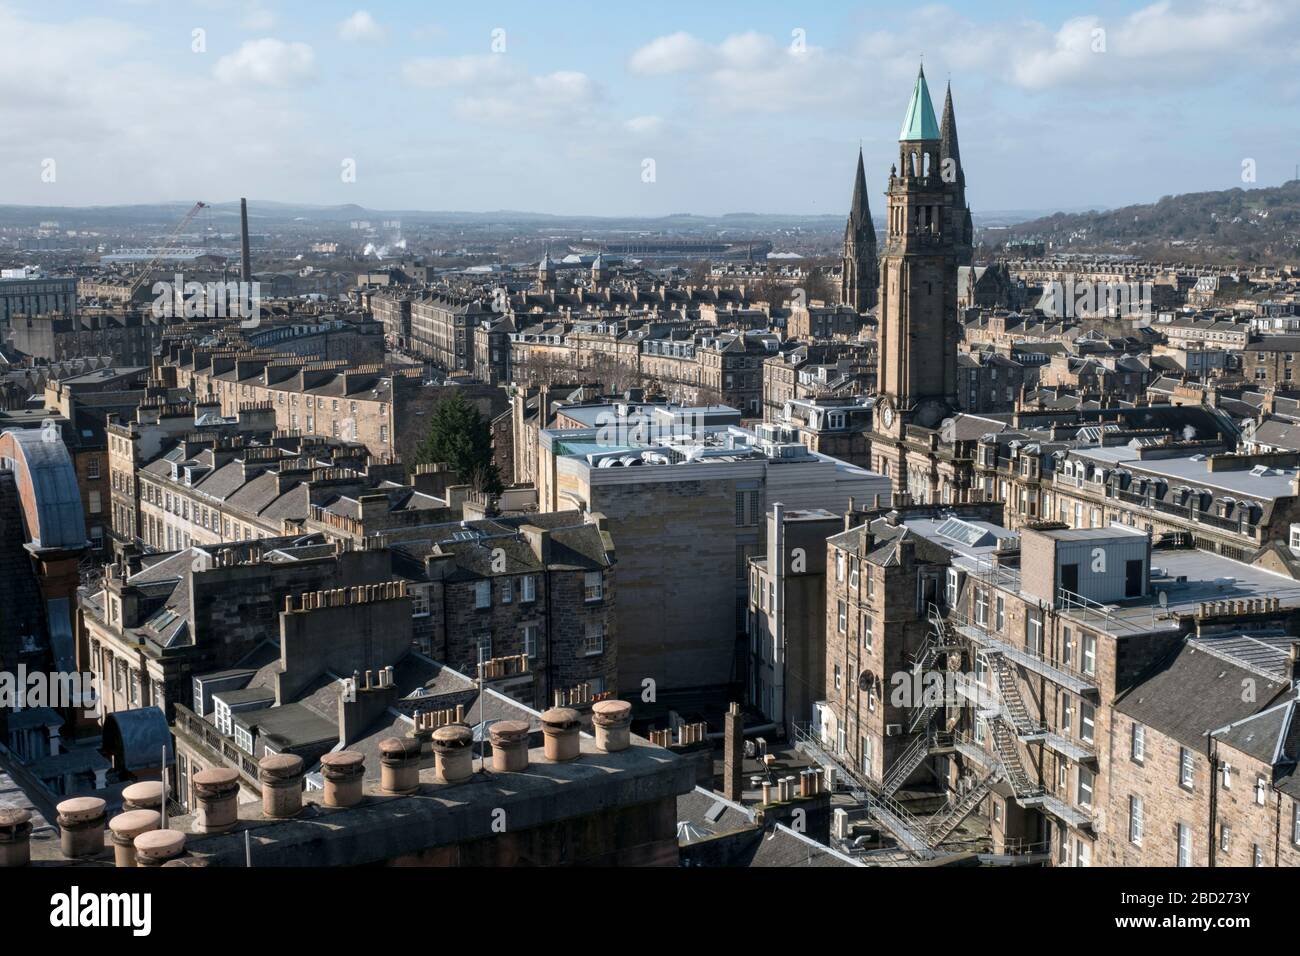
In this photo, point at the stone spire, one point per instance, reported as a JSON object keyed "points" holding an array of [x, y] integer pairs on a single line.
{"points": [[860, 274], [950, 150]]}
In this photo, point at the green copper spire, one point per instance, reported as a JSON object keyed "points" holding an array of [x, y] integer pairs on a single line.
{"points": [[919, 123]]}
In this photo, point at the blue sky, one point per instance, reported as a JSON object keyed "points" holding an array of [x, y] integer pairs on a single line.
{"points": [[743, 107]]}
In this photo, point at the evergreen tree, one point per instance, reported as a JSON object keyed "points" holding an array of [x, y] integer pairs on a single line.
{"points": [[462, 438]]}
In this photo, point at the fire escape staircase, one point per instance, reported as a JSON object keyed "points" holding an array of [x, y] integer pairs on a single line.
{"points": [[942, 825], [906, 763], [1014, 710]]}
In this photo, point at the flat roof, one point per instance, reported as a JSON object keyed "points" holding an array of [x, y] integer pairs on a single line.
{"points": [[1186, 470]]}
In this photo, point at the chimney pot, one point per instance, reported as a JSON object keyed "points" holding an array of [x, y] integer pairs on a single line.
{"points": [[156, 847], [281, 779], [217, 792], [15, 836], [145, 795], [125, 827], [344, 773], [453, 749], [612, 720], [399, 765], [509, 746], [560, 727], [81, 824]]}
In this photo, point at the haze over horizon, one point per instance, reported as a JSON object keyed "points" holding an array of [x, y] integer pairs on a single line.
{"points": [[761, 112]]}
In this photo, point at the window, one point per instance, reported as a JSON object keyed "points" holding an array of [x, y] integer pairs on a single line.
{"points": [[1090, 654], [92, 467], [1139, 747], [1087, 721], [530, 640], [592, 586], [1186, 768], [507, 591], [1135, 820], [999, 613], [1067, 712], [1295, 823], [981, 607], [1227, 775], [839, 567], [853, 574], [527, 589], [484, 648], [593, 642], [1261, 791], [1225, 836], [482, 594], [95, 504], [868, 632], [843, 617], [1067, 647], [950, 589], [1085, 787], [1258, 855], [419, 602], [1184, 845], [1034, 632], [837, 676]]}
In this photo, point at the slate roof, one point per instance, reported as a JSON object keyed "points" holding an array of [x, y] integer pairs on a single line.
{"points": [[1192, 692]]}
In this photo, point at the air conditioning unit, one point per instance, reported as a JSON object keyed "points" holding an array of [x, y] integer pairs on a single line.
{"points": [[840, 824], [893, 730]]}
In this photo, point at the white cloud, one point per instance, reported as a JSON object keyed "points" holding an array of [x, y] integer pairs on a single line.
{"points": [[675, 53], [267, 62], [493, 88], [754, 72], [361, 26], [644, 125]]}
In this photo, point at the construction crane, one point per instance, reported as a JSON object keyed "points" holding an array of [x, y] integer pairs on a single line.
{"points": [[162, 251]]}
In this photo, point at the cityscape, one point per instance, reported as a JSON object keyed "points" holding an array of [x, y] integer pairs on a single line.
{"points": [[936, 510]]}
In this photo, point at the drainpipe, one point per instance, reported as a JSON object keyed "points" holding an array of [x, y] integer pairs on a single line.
{"points": [[777, 567]]}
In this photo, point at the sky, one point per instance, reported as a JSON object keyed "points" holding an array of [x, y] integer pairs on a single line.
{"points": [[636, 108]]}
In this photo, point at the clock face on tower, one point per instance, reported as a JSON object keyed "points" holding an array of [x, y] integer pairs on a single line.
{"points": [[887, 413]]}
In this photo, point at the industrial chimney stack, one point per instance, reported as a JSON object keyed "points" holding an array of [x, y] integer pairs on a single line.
{"points": [[245, 264]]}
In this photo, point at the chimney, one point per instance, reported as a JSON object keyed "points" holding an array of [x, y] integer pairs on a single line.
{"points": [[125, 827], [281, 779], [733, 753], [612, 720], [1293, 661], [399, 760], [510, 746], [217, 792], [453, 751], [15, 837], [344, 772], [156, 847], [560, 730], [245, 264], [81, 827]]}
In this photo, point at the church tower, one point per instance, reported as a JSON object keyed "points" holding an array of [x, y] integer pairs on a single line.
{"points": [[860, 275], [918, 331]]}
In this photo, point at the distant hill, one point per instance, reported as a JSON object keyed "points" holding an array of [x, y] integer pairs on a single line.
{"points": [[1249, 225]]}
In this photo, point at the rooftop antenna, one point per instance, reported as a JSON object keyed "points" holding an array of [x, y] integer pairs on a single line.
{"points": [[162, 775]]}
